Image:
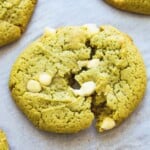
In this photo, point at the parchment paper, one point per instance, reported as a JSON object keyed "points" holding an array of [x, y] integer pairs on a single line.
{"points": [[133, 134]]}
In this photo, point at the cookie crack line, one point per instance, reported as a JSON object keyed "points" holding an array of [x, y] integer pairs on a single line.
{"points": [[73, 74]]}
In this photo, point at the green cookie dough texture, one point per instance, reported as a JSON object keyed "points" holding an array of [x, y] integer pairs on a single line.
{"points": [[3, 141], [101, 63], [14, 17], [136, 6]]}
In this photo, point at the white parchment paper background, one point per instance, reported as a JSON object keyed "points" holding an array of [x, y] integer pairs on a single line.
{"points": [[133, 134]]}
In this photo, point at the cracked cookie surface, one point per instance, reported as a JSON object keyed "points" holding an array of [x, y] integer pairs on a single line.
{"points": [[136, 6], [68, 76], [14, 17], [3, 141]]}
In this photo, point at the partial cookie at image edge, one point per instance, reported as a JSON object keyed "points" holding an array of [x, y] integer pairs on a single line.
{"points": [[3, 141], [12, 25], [134, 6]]}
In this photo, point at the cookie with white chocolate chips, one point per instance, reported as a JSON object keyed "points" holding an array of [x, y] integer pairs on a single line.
{"points": [[69, 75]]}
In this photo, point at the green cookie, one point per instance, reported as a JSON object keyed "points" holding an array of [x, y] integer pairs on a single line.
{"points": [[14, 17], [136, 6], [69, 75], [3, 141]]}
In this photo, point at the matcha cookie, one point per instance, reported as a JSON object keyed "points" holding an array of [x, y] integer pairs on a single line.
{"points": [[136, 6], [3, 141], [14, 17], [69, 75]]}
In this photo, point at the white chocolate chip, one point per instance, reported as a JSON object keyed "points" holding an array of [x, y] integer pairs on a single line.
{"points": [[82, 63], [91, 28], [33, 86], [108, 123], [50, 30], [45, 78], [86, 89], [93, 63], [77, 92]]}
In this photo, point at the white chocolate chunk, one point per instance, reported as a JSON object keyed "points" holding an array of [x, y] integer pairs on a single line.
{"points": [[33, 86], [82, 63], [93, 63], [91, 28], [50, 30], [45, 78], [86, 89], [108, 123], [76, 92]]}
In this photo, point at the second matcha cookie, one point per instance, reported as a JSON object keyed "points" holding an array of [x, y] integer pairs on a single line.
{"points": [[137, 6], [72, 74], [14, 17]]}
